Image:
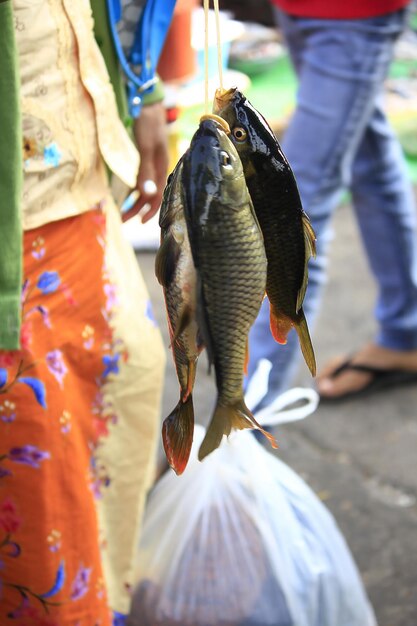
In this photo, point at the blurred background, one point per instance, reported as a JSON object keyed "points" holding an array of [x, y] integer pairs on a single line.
{"points": [[359, 456], [255, 60]]}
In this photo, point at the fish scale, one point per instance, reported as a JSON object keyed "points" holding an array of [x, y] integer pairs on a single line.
{"points": [[283, 231], [175, 271], [232, 316], [288, 234], [229, 256]]}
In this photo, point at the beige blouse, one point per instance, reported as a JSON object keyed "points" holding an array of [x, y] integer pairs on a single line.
{"points": [[70, 118]]}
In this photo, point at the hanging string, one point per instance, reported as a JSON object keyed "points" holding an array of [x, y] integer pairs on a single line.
{"points": [[206, 52], [219, 43]]}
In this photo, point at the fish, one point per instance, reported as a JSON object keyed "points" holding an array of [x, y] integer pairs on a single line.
{"points": [[229, 257], [289, 237], [175, 271]]}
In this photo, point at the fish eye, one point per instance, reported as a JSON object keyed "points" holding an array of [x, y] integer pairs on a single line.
{"points": [[239, 133], [224, 158]]}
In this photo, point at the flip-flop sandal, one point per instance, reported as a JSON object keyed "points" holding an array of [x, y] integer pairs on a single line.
{"points": [[381, 379]]}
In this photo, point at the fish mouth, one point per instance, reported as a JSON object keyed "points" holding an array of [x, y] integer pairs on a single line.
{"points": [[222, 98], [218, 120]]}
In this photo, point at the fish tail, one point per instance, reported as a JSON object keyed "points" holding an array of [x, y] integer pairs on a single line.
{"points": [[177, 434], [280, 326], [225, 418], [305, 342]]}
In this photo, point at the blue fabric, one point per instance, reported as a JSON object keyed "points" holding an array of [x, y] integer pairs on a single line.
{"points": [[119, 619], [140, 66], [338, 139]]}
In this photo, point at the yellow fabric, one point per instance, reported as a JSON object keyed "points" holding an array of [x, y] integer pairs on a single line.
{"points": [[70, 125], [129, 453], [68, 110]]}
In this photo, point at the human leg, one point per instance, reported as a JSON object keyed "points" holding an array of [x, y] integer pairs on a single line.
{"points": [[384, 203], [133, 397], [342, 68], [78, 428]]}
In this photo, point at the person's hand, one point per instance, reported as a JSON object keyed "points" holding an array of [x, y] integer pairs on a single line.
{"points": [[150, 132]]}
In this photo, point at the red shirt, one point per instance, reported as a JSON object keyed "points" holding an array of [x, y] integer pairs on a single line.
{"points": [[340, 9]]}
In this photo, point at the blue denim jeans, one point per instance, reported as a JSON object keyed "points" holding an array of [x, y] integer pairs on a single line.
{"points": [[338, 139]]}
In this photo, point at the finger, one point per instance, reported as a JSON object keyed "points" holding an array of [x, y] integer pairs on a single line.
{"points": [[153, 208], [127, 215], [136, 208]]}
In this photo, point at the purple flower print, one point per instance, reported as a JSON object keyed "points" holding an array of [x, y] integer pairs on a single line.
{"points": [[56, 365], [111, 364], [7, 412], [111, 296], [28, 455], [4, 472], [38, 251], [48, 282], [80, 584]]}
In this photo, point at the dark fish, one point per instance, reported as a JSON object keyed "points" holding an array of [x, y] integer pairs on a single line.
{"points": [[174, 269], [229, 257], [288, 234]]}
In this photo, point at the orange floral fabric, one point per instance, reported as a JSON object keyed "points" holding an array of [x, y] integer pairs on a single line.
{"points": [[55, 415]]}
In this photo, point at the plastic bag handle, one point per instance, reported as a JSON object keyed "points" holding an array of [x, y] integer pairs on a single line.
{"points": [[276, 413]]}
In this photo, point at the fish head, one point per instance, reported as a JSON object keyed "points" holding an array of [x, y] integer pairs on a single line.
{"points": [[249, 131], [213, 171]]}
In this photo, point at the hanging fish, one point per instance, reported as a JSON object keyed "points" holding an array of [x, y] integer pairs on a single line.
{"points": [[288, 235], [174, 269], [229, 257]]}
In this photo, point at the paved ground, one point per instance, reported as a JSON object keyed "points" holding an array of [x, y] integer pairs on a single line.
{"points": [[359, 456]]}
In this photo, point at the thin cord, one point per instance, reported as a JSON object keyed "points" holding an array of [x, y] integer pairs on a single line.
{"points": [[206, 48], [219, 42]]}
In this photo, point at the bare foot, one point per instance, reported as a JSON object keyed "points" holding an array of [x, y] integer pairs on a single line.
{"points": [[350, 381]]}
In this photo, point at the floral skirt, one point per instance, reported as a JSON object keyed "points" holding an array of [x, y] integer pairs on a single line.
{"points": [[79, 417]]}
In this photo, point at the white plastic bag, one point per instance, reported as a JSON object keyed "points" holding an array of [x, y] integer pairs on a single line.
{"points": [[241, 540]]}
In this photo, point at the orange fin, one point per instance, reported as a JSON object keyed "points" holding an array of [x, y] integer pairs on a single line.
{"points": [[245, 367], [177, 434], [192, 368], [280, 326]]}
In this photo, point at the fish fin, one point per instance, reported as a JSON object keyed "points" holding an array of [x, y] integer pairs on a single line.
{"points": [[184, 319], [280, 326], [165, 212], [166, 260], [225, 418], [305, 342], [310, 251], [192, 368], [245, 367], [309, 236], [203, 323], [177, 434]]}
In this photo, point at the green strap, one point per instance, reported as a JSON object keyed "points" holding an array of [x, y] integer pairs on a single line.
{"points": [[11, 169]]}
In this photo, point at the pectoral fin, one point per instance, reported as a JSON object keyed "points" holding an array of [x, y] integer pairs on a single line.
{"points": [[166, 260], [280, 325], [184, 318]]}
